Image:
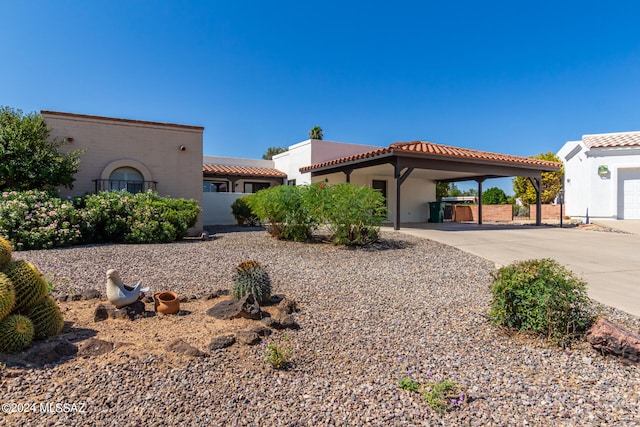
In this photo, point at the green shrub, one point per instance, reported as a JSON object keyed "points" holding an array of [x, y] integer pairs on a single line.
{"points": [[543, 297], [353, 213], [135, 218], [242, 212], [37, 220], [104, 216], [278, 354], [284, 211]]}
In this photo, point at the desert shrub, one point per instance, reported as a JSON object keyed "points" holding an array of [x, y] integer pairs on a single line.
{"points": [[104, 216], [353, 213], [37, 220], [242, 212], [543, 297], [284, 211], [135, 218]]}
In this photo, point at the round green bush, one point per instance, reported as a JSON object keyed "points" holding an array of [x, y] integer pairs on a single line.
{"points": [[543, 297]]}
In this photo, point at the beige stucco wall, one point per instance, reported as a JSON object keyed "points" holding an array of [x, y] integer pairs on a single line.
{"points": [[166, 153]]}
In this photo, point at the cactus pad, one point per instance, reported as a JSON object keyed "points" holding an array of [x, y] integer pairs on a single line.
{"points": [[47, 319], [16, 333], [7, 296], [28, 283], [251, 278], [5, 253]]}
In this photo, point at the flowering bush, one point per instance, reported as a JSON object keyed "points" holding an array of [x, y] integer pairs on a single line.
{"points": [[38, 220], [135, 218]]}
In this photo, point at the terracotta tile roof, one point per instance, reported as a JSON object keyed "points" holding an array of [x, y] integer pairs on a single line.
{"points": [[611, 140], [432, 150], [217, 170]]}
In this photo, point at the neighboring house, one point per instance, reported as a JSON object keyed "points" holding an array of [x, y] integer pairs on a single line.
{"points": [[602, 176], [132, 155], [225, 179]]}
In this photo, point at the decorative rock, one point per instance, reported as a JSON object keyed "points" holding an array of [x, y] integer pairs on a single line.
{"points": [[288, 306], [284, 322], [91, 294], [181, 347], [248, 337], [246, 307], [216, 294], [45, 352], [609, 338], [268, 321], [222, 341], [107, 311], [261, 330], [94, 347]]}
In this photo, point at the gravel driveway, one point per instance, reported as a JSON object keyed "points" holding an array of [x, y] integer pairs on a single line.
{"points": [[361, 309]]}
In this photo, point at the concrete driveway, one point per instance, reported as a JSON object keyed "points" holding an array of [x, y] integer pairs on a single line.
{"points": [[608, 261]]}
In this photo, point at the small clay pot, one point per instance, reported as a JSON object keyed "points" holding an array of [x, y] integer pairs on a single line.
{"points": [[166, 302]]}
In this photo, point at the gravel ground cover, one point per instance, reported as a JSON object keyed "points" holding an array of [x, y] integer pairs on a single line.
{"points": [[361, 309]]}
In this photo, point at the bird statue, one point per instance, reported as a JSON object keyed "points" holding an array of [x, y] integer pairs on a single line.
{"points": [[120, 294]]}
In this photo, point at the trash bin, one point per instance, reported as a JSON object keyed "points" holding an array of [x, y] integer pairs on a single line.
{"points": [[436, 211]]}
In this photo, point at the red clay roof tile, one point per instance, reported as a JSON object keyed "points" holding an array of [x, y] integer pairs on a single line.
{"points": [[430, 149], [217, 170]]}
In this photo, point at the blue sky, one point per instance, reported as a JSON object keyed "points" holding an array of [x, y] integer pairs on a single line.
{"points": [[506, 76]]}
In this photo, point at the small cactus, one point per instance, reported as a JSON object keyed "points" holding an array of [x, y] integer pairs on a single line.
{"points": [[251, 278], [28, 283], [5, 253], [7, 296], [16, 333], [47, 319]]}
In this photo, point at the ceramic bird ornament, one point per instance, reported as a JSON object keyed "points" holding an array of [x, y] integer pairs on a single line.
{"points": [[120, 294]]}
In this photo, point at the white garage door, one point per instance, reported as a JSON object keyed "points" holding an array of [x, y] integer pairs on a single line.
{"points": [[631, 195]]}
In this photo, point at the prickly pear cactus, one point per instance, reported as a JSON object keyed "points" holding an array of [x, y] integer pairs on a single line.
{"points": [[5, 253], [7, 296], [251, 278], [47, 319], [16, 333], [28, 283]]}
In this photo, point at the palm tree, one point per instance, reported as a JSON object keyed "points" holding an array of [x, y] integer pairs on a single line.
{"points": [[315, 133]]}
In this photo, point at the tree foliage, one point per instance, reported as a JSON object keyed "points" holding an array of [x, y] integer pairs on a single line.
{"points": [[272, 151], [551, 183], [315, 133], [28, 159], [494, 196]]}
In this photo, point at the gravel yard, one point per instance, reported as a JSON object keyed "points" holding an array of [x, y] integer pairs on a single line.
{"points": [[361, 309]]}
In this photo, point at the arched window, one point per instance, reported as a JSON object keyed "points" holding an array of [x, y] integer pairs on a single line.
{"points": [[126, 178]]}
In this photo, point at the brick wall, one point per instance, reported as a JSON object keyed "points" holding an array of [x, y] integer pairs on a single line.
{"points": [[501, 213], [548, 211]]}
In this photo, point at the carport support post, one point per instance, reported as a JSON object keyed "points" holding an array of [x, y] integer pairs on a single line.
{"points": [[537, 185], [479, 181], [398, 178]]}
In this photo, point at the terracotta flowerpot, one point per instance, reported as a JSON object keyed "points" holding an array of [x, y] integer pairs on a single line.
{"points": [[166, 302]]}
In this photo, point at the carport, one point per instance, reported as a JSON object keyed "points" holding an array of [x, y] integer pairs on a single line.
{"points": [[441, 163]]}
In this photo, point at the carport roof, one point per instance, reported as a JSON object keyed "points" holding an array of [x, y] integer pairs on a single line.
{"points": [[432, 151]]}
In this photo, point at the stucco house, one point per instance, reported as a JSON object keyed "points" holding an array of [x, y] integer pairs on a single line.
{"points": [[141, 155], [134, 155], [602, 176]]}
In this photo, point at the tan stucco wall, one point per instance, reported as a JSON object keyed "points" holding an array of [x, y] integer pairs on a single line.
{"points": [[152, 148]]}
